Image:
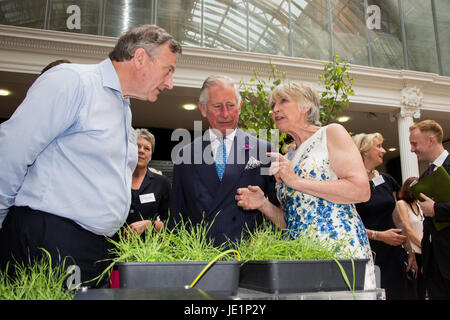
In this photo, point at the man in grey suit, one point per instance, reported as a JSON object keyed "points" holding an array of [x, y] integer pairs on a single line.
{"points": [[208, 171]]}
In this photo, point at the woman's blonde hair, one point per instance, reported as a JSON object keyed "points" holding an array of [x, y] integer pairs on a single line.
{"points": [[364, 141], [305, 96]]}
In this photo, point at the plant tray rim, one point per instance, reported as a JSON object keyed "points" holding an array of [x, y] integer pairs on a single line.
{"points": [[312, 261], [176, 262]]}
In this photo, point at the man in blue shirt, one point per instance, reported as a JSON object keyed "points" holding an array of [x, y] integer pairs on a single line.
{"points": [[68, 152]]}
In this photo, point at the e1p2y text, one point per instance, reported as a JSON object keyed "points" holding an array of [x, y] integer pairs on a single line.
{"points": [[230, 310]]}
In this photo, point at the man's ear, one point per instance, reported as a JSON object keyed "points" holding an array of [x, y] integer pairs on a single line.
{"points": [[139, 58], [432, 138], [202, 109]]}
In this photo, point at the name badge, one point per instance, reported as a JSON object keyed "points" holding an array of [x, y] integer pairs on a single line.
{"points": [[378, 180], [148, 197]]}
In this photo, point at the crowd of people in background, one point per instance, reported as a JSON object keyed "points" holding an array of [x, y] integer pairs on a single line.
{"points": [[74, 171]]}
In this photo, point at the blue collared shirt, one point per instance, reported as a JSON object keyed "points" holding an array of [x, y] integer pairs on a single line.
{"points": [[69, 148]]}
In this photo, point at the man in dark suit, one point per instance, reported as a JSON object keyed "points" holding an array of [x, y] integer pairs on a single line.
{"points": [[208, 171], [426, 142]]}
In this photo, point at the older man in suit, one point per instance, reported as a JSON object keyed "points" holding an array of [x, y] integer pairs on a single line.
{"points": [[426, 142], [208, 171]]}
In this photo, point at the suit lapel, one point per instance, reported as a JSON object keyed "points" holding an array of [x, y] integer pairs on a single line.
{"points": [[236, 162], [445, 164], [147, 180], [204, 169]]}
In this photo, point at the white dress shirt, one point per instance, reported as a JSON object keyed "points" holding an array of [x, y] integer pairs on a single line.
{"points": [[215, 142], [439, 161]]}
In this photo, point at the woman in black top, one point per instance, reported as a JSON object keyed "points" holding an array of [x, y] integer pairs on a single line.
{"points": [[150, 191], [150, 195], [385, 239]]}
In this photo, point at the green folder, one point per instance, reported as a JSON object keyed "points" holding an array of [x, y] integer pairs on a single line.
{"points": [[437, 187]]}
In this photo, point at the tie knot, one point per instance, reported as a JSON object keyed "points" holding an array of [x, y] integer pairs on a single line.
{"points": [[431, 168]]}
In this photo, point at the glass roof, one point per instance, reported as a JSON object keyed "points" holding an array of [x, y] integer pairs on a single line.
{"points": [[304, 28]]}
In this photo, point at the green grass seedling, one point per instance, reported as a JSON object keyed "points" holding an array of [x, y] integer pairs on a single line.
{"points": [[40, 280]]}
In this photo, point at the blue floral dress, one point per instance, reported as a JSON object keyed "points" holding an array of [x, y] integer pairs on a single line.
{"points": [[307, 215]]}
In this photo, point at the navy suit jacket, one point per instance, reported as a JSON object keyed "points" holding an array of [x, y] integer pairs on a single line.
{"points": [[440, 240], [199, 194]]}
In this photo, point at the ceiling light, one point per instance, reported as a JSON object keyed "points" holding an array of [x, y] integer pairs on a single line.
{"points": [[4, 92], [392, 149], [189, 106], [343, 119]]}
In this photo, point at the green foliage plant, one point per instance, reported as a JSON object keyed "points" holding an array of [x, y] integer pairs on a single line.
{"points": [[184, 242], [39, 280], [267, 242], [256, 115], [337, 84]]}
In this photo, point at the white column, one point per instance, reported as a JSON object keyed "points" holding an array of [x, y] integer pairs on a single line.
{"points": [[408, 159], [411, 102]]}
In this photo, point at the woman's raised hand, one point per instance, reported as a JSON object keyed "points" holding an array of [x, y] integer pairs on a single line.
{"points": [[282, 169]]}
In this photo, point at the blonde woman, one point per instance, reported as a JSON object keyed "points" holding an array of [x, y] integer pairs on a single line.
{"points": [[385, 238], [319, 184]]}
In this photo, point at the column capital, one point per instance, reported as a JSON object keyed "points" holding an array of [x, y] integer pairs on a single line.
{"points": [[412, 100]]}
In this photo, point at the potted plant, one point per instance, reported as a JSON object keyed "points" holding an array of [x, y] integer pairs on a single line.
{"points": [[255, 116], [337, 87], [180, 257], [39, 280], [276, 263]]}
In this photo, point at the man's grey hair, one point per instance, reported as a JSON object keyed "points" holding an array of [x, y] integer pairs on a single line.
{"points": [[148, 37], [217, 80], [144, 133]]}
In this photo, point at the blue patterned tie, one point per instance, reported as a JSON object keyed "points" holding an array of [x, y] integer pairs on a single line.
{"points": [[221, 158]]}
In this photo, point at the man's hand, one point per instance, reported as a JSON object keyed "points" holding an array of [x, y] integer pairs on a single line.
{"points": [[250, 198], [427, 206]]}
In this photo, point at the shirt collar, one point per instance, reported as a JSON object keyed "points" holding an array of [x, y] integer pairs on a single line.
{"points": [[110, 78], [213, 136], [440, 160]]}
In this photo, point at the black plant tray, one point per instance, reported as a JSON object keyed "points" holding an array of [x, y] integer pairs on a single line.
{"points": [[289, 276], [221, 278]]}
